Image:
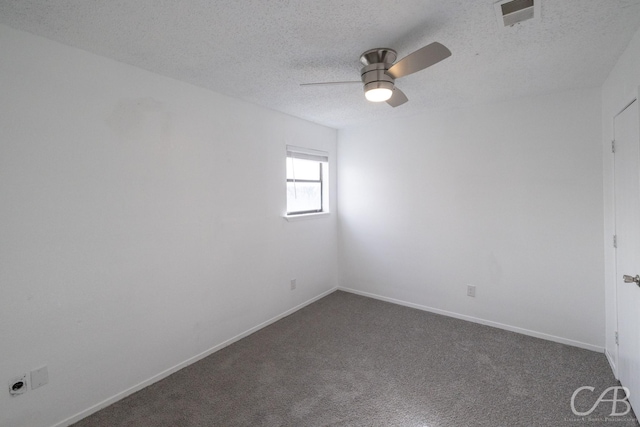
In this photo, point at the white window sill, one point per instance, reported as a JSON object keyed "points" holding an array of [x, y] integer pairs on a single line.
{"points": [[301, 217]]}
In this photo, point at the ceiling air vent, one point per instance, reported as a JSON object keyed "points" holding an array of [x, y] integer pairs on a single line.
{"points": [[512, 12]]}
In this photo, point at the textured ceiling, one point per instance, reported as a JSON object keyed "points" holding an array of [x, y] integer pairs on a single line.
{"points": [[261, 50]]}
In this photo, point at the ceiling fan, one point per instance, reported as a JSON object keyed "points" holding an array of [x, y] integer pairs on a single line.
{"points": [[381, 70]]}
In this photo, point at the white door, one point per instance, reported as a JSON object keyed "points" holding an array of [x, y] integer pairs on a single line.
{"points": [[627, 208]]}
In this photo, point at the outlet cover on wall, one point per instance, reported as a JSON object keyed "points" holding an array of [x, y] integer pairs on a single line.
{"points": [[471, 291], [293, 284], [39, 377]]}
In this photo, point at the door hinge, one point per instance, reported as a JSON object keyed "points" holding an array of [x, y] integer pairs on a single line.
{"points": [[613, 146], [615, 241], [616, 338]]}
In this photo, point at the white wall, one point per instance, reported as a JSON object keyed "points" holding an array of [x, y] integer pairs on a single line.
{"points": [[507, 197], [619, 89], [141, 224]]}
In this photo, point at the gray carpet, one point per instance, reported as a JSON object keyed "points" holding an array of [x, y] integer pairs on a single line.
{"points": [[348, 360]]}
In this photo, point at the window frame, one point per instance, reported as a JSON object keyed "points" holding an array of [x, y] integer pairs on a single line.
{"points": [[322, 158]]}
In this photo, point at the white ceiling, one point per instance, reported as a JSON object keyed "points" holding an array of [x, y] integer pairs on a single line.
{"points": [[261, 50]]}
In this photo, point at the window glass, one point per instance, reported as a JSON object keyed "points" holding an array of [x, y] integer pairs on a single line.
{"points": [[304, 197], [300, 169]]}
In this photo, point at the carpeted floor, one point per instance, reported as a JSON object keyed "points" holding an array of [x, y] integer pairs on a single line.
{"points": [[348, 360]]}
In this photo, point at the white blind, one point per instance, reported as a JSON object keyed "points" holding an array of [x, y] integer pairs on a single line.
{"points": [[307, 154]]}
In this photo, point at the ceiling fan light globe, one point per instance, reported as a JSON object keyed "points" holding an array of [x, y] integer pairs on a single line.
{"points": [[378, 91], [379, 94]]}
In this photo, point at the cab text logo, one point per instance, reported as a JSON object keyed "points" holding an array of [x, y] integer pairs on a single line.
{"points": [[619, 401]]}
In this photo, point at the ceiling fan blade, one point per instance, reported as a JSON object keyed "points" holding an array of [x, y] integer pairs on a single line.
{"points": [[397, 98], [419, 60], [330, 83]]}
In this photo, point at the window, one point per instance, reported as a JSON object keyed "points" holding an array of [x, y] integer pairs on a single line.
{"points": [[307, 181]]}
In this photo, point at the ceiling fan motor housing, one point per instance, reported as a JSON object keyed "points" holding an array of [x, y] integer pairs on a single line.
{"points": [[376, 63], [374, 76]]}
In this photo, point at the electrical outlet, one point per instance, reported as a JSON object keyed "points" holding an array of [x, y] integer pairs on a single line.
{"points": [[293, 284], [18, 385], [471, 291]]}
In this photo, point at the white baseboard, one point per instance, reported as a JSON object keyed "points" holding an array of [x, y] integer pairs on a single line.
{"points": [[95, 408], [479, 320], [611, 363]]}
